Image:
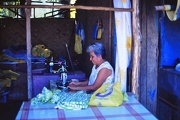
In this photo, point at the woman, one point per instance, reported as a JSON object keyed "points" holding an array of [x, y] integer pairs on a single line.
{"points": [[102, 72]]}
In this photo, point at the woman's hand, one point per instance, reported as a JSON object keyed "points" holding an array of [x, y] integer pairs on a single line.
{"points": [[73, 87], [74, 83]]}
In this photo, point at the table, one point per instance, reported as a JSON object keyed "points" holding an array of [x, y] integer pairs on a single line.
{"points": [[131, 110]]}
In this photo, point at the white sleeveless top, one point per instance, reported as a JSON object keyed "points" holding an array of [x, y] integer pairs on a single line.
{"points": [[95, 71]]}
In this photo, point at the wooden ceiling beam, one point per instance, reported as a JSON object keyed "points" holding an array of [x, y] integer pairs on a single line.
{"points": [[69, 7]]}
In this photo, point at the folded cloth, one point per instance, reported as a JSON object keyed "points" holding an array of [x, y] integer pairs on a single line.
{"points": [[4, 57], [11, 74], [5, 83], [40, 51]]}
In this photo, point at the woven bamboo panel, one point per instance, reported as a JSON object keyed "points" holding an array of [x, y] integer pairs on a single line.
{"points": [[53, 33]]}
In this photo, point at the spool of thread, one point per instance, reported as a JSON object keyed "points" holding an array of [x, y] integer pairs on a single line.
{"points": [[51, 64]]}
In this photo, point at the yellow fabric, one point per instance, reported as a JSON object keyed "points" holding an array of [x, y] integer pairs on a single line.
{"points": [[11, 74], [113, 99], [6, 77], [40, 51], [172, 15], [99, 34], [78, 45], [5, 82]]}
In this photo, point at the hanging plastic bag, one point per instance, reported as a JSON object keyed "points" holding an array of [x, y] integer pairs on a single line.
{"points": [[103, 97], [98, 30]]}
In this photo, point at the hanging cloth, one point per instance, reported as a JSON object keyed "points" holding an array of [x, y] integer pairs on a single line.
{"points": [[79, 37], [98, 30], [124, 40]]}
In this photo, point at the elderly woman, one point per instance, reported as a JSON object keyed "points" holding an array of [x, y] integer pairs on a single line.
{"points": [[102, 72]]}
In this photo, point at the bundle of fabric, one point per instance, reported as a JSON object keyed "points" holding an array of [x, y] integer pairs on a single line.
{"points": [[41, 51], [62, 99], [5, 58], [6, 76]]}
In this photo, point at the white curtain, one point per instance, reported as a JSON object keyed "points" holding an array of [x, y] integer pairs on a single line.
{"points": [[124, 40]]}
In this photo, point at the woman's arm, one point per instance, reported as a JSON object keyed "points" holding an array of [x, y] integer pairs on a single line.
{"points": [[101, 77]]}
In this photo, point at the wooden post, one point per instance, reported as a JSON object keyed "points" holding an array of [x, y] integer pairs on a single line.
{"points": [[136, 48], [110, 34], [28, 44]]}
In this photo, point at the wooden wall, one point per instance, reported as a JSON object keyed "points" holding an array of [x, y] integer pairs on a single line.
{"points": [[149, 55]]}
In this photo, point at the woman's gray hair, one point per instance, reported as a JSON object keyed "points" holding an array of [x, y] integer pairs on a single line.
{"points": [[98, 49]]}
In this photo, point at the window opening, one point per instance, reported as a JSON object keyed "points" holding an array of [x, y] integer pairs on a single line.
{"points": [[39, 12]]}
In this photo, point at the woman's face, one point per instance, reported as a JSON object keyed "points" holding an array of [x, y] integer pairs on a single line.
{"points": [[93, 58]]}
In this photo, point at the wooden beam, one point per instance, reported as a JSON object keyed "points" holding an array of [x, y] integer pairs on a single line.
{"points": [[69, 7], [160, 8], [136, 48]]}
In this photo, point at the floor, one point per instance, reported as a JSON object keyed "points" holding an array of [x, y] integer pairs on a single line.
{"points": [[9, 110]]}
